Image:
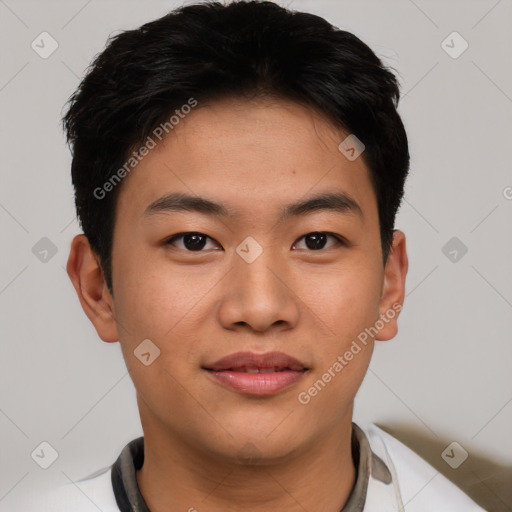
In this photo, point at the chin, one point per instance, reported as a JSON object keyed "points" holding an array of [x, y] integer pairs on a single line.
{"points": [[257, 442]]}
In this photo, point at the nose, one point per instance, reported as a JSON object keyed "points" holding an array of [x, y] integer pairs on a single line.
{"points": [[258, 296]]}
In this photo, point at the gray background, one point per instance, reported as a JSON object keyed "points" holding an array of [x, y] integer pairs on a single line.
{"points": [[446, 376]]}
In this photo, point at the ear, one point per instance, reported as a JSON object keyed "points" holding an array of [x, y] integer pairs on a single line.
{"points": [[393, 287], [87, 277]]}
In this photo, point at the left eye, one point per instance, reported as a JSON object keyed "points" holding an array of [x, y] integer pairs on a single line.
{"points": [[318, 240], [192, 241]]}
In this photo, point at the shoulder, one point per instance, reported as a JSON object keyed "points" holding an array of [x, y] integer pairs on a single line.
{"points": [[89, 494], [419, 486]]}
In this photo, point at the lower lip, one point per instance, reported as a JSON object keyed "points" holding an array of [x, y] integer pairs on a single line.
{"points": [[258, 384]]}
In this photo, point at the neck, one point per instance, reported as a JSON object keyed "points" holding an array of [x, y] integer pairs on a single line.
{"points": [[179, 477]]}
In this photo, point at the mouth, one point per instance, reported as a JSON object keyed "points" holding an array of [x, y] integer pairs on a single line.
{"points": [[257, 374], [256, 369]]}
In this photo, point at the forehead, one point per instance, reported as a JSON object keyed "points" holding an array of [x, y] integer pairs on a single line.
{"points": [[250, 155]]}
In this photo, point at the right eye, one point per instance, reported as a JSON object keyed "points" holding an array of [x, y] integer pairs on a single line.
{"points": [[191, 241]]}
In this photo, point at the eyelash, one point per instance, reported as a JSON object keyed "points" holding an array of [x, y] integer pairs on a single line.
{"points": [[339, 240]]}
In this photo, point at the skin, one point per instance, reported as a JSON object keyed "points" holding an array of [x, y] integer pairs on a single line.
{"points": [[208, 447]]}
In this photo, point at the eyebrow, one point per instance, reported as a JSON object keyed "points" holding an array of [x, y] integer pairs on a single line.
{"points": [[178, 202], [339, 202]]}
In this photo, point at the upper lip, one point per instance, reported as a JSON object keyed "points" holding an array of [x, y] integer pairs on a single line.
{"points": [[249, 360]]}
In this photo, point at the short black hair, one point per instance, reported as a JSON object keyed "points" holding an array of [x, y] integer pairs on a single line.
{"points": [[209, 51]]}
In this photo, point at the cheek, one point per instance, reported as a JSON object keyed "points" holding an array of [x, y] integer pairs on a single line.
{"points": [[345, 300], [150, 299], [170, 308], [153, 304], [347, 303]]}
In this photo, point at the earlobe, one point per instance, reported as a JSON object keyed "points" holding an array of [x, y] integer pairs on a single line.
{"points": [[393, 287], [85, 272]]}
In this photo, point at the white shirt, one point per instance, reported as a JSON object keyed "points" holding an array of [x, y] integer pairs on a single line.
{"points": [[390, 478]]}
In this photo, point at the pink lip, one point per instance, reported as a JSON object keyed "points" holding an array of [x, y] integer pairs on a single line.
{"points": [[278, 372]]}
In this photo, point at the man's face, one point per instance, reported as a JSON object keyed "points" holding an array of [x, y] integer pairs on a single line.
{"points": [[286, 288]]}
